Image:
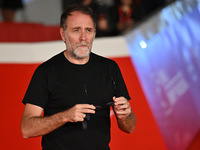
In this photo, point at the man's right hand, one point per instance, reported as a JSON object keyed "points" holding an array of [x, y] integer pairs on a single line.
{"points": [[78, 112], [34, 124]]}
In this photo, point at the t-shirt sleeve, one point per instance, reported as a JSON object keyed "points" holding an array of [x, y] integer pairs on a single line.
{"points": [[37, 92], [121, 89]]}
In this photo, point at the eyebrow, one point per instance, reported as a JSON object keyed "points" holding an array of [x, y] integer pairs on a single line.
{"points": [[80, 28], [76, 28]]}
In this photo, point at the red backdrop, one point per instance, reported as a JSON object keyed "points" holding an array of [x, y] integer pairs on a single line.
{"points": [[14, 80]]}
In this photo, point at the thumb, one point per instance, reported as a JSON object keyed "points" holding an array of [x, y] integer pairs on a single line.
{"points": [[114, 98]]}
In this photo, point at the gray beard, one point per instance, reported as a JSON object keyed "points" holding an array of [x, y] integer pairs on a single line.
{"points": [[75, 54]]}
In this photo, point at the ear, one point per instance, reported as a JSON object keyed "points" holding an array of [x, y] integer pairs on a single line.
{"points": [[62, 34], [94, 33]]}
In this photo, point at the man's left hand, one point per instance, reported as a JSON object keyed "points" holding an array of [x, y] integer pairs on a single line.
{"points": [[122, 107]]}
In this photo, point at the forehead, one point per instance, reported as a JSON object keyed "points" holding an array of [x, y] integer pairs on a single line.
{"points": [[79, 19]]}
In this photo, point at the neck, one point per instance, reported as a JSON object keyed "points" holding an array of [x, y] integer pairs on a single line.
{"points": [[78, 61]]}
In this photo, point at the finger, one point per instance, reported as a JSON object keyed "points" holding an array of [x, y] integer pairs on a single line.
{"points": [[123, 107], [120, 109], [88, 111], [122, 113], [114, 98], [120, 101], [80, 117], [85, 106], [80, 120]]}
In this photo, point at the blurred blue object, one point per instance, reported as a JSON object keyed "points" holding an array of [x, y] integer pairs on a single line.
{"points": [[169, 69]]}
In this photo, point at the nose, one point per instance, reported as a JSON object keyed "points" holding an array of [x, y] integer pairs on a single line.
{"points": [[83, 36]]}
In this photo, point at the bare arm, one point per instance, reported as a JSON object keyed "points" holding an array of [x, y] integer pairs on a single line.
{"points": [[33, 124], [125, 117]]}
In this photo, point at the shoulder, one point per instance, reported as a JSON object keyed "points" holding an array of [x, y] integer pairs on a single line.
{"points": [[53, 60], [48, 64], [104, 60]]}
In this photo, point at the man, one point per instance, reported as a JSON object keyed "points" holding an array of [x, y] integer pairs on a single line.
{"points": [[75, 90], [9, 8]]}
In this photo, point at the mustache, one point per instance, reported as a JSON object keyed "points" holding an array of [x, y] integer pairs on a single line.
{"points": [[82, 44]]}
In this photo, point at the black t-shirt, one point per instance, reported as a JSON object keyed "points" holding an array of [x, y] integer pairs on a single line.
{"points": [[58, 85]]}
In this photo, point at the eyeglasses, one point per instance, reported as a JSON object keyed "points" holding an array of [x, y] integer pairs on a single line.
{"points": [[84, 123], [109, 104], [87, 118]]}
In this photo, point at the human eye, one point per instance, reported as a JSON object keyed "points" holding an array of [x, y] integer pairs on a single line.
{"points": [[89, 30], [76, 30]]}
